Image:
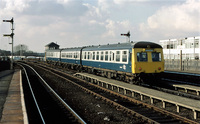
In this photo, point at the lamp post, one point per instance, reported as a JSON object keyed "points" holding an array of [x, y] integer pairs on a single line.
{"points": [[12, 36]]}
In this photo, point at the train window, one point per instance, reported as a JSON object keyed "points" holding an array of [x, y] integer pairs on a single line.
{"points": [[70, 55], [118, 56], [97, 57], [113, 56], [124, 56], [93, 56], [106, 56], [85, 57], [63, 54], [102, 55], [74, 55], [142, 57], [110, 58], [156, 56], [88, 55], [78, 55]]}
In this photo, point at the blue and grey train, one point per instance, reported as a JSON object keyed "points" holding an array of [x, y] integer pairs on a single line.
{"points": [[124, 61]]}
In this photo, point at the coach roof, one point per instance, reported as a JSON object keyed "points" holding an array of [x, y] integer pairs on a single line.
{"points": [[130, 45]]}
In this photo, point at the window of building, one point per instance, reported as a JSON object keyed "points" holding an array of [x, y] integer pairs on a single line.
{"points": [[196, 43], [142, 57]]}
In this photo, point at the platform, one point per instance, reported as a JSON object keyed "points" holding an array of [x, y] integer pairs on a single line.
{"points": [[191, 73], [187, 87], [179, 101], [12, 101]]}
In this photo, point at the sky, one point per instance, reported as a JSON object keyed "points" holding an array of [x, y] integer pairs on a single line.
{"points": [[75, 23]]}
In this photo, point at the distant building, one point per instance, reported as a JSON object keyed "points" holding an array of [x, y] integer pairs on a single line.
{"points": [[189, 47], [182, 54], [51, 46]]}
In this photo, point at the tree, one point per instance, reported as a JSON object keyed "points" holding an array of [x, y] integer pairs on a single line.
{"points": [[20, 49]]}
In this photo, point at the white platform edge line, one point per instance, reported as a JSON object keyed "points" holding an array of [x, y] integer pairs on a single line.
{"points": [[25, 117]]}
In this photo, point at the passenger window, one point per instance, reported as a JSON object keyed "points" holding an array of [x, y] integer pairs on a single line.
{"points": [[102, 55], [93, 57], [85, 55], [110, 58], [71, 55], [78, 55], [142, 57], [88, 55], [97, 57], [106, 56], [124, 56], [118, 56], [156, 56], [63, 54]]}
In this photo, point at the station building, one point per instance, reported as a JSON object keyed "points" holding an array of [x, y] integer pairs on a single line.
{"points": [[189, 47], [182, 54]]}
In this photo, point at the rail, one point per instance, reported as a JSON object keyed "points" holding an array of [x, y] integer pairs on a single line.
{"points": [[36, 103], [80, 120]]}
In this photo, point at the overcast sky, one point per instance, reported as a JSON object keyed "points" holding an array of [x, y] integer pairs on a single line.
{"points": [[73, 23]]}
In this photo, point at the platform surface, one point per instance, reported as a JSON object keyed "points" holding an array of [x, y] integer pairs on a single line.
{"points": [[12, 106], [186, 102], [5, 78]]}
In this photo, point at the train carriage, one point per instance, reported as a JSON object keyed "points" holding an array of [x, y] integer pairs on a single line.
{"points": [[114, 57], [52, 55], [130, 62], [71, 55]]}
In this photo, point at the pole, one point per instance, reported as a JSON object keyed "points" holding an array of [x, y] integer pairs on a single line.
{"points": [[12, 36], [127, 35], [181, 64], [12, 44], [181, 58], [194, 48]]}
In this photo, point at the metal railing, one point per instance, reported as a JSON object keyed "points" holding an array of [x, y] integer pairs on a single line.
{"points": [[184, 65]]}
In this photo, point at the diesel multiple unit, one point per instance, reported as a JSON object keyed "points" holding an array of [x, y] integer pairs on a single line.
{"points": [[131, 62]]}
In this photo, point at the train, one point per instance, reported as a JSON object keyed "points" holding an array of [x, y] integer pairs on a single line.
{"points": [[131, 62]]}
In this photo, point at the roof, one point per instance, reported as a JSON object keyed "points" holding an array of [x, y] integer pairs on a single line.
{"points": [[52, 44], [130, 45]]}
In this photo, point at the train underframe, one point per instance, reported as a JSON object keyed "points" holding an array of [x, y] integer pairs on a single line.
{"points": [[137, 78]]}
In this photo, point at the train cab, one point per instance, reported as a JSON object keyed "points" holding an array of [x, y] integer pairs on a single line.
{"points": [[147, 58]]}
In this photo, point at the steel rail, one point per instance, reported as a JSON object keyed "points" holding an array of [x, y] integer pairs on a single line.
{"points": [[130, 99], [59, 98], [117, 105], [33, 94]]}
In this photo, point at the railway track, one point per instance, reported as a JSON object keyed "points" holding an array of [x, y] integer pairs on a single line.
{"points": [[166, 88], [147, 112], [43, 104]]}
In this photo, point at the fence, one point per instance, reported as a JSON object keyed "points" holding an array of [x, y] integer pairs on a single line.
{"points": [[187, 65]]}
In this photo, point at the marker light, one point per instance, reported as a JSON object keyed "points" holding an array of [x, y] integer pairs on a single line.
{"points": [[140, 68], [159, 68]]}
